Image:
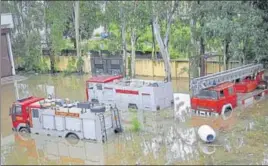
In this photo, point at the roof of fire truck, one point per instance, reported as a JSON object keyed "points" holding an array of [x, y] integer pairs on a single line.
{"points": [[104, 79], [29, 100], [137, 83], [221, 86], [67, 109]]}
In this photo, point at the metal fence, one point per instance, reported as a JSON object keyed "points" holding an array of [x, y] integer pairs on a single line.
{"points": [[112, 65]]}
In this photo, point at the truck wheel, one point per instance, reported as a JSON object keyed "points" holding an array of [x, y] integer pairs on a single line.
{"points": [[117, 130], [263, 85], [72, 138], [95, 101], [24, 133], [132, 106], [24, 130], [227, 113]]}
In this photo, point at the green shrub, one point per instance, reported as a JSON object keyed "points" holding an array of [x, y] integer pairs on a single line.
{"points": [[43, 66], [136, 126], [71, 67], [79, 64]]}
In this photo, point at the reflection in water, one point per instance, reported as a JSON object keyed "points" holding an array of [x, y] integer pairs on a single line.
{"points": [[163, 139], [206, 149], [44, 150], [265, 159]]}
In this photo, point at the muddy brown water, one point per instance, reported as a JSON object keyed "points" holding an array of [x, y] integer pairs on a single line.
{"points": [[241, 139]]}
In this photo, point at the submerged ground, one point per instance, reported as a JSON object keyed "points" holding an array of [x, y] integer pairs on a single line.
{"points": [[149, 138]]}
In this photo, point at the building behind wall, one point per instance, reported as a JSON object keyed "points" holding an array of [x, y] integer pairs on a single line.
{"points": [[7, 63]]}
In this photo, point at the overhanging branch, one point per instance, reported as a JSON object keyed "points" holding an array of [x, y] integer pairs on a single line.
{"points": [[175, 6]]}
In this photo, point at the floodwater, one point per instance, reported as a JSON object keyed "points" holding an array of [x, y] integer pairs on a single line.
{"points": [[161, 139]]}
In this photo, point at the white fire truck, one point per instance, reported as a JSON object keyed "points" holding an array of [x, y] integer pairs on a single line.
{"points": [[130, 93], [57, 117]]}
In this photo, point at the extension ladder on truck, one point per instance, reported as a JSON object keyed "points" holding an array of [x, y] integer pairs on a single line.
{"points": [[103, 127], [117, 119], [224, 76]]}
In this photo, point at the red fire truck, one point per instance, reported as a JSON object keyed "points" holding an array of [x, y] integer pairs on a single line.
{"points": [[218, 93], [57, 117]]}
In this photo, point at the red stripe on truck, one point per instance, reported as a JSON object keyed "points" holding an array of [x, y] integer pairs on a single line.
{"points": [[132, 92]]}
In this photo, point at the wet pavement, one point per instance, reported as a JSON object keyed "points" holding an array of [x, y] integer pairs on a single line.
{"points": [[148, 137]]}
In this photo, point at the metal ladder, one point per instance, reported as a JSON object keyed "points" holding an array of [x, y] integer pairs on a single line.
{"points": [[117, 119], [103, 127], [204, 82]]}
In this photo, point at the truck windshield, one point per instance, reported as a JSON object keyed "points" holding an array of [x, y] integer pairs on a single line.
{"points": [[207, 94], [16, 110]]}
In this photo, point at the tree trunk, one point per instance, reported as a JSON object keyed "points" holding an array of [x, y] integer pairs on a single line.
{"points": [[226, 57], [52, 62], [123, 34], [133, 52], [77, 27], [244, 54], [202, 43], [74, 42], [195, 67], [48, 43], [203, 71], [153, 45], [163, 49]]}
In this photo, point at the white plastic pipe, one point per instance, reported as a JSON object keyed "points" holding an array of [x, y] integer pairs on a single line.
{"points": [[206, 133]]}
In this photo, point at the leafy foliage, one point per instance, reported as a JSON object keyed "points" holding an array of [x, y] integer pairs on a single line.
{"points": [[242, 25], [136, 126], [79, 64]]}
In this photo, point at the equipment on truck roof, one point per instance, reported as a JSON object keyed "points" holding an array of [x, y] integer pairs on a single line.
{"points": [[204, 82], [131, 93], [220, 93], [82, 120]]}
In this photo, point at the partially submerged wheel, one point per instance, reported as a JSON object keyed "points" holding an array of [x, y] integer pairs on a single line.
{"points": [[24, 130], [96, 101], [227, 113], [132, 107], [72, 138], [117, 130], [263, 85], [24, 133]]}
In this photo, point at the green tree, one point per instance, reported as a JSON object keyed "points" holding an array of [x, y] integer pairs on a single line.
{"points": [[164, 11], [56, 17]]}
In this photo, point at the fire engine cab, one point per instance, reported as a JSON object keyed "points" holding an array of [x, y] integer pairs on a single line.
{"points": [[130, 93], [57, 117], [219, 93]]}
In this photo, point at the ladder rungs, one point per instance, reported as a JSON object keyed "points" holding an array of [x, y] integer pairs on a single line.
{"points": [[221, 77]]}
